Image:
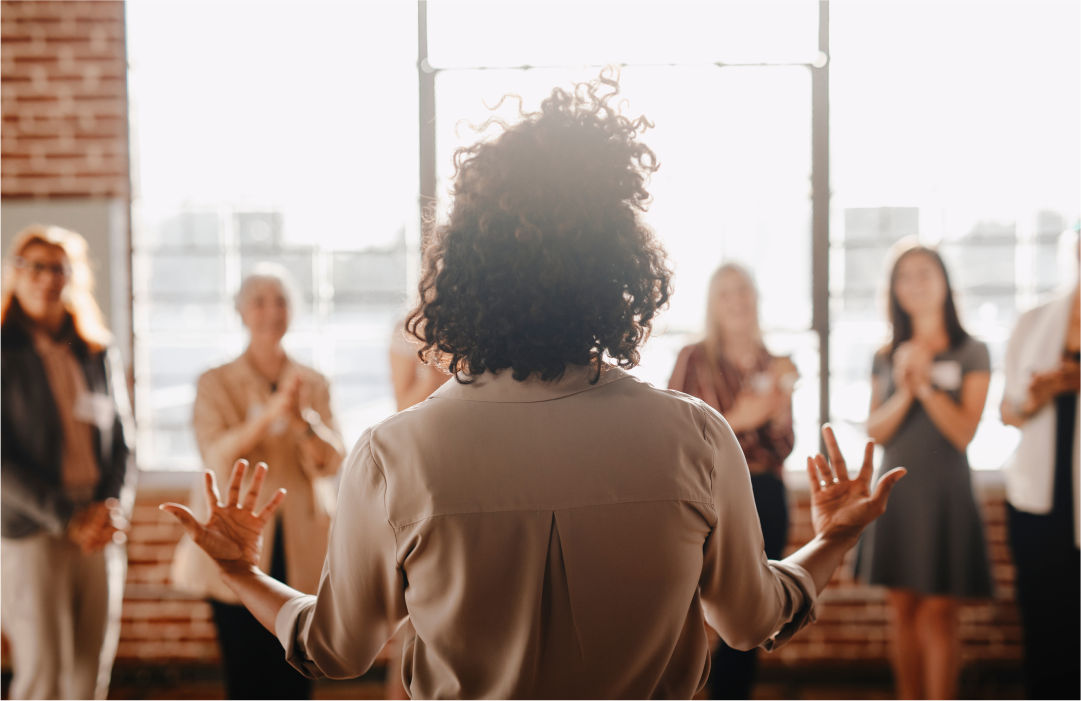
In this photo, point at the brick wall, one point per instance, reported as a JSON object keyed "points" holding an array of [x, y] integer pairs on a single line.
{"points": [[161, 625], [853, 626], [64, 100]]}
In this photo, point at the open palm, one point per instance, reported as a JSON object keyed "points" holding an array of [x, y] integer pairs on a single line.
{"points": [[843, 507], [233, 535]]}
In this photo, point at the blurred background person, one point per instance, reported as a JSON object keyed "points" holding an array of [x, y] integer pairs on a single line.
{"points": [[733, 372], [413, 380], [1042, 482], [66, 460], [265, 407], [929, 385]]}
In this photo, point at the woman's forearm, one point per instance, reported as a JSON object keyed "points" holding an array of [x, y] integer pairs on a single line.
{"points": [[950, 418], [884, 420], [237, 442], [260, 593], [821, 557]]}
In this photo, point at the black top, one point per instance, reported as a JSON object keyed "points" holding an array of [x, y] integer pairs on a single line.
{"points": [[1065, 425], [31, 437]]}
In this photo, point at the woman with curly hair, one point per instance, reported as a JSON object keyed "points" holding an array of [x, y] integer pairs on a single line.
{"points": [[550, 525]]}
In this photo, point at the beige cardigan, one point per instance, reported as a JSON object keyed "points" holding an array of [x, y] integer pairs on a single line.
{"points": [[546, 540], [225, 397]]}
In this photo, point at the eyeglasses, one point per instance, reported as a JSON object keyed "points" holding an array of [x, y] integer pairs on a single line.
{"points": [[37, 268]]}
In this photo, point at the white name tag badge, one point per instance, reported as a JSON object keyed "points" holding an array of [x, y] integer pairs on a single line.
{"points": [[94, 408], [946, 375]]}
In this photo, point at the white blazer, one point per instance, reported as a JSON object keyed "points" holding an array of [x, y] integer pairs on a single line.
{"points": [[1036, 346]]}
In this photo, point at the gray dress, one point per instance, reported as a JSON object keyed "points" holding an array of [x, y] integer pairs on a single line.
{"points": [[930, 539]]}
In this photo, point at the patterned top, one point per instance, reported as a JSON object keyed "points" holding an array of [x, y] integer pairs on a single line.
{"points": [[765, 447]]}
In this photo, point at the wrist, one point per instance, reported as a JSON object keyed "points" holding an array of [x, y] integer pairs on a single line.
{"points": [[235, 571], [923, 392], [842, 538]]}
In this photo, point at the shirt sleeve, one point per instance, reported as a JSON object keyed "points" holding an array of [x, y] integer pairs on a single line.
{"points": [[678, 381], [361, 599], [749, 600], [976, 357], [882, 365], [1017, 379]]}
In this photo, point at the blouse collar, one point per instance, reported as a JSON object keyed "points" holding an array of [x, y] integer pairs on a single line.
{"points": [[502, 387]]}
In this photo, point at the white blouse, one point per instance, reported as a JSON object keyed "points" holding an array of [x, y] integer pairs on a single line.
{"points": [[1036, 346], [560, 539]]}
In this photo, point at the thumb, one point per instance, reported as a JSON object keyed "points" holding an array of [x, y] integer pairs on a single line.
{"points": [[885, 486], [186, 518]]}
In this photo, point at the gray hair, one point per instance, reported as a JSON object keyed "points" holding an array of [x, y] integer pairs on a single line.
{"points": [[268, 272]]}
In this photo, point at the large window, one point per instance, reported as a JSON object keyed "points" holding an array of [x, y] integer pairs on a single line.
{"points": [[283, 132], [956, 123], [733, 139], [291, 134]]}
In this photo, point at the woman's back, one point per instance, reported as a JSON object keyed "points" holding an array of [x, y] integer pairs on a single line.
{"points": [[551, 539]]}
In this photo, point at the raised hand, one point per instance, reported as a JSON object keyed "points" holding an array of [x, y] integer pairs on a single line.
{"points": [[843, 507], [233, 535]]}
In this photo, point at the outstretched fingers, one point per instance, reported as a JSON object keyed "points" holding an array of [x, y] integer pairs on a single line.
{"points": [[255, 487], [840, 470], [885, 485], [868, 467], [812, 475], [186, 517], [210, 489], [235, 480], [271, 506]]}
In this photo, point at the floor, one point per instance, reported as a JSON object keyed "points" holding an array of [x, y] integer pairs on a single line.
{"points": [[373, 691], [163, 688]]}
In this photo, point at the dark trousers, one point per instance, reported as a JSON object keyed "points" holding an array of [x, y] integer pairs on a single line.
{"points": [[731, 675], [1049, 598], [254, 662]]}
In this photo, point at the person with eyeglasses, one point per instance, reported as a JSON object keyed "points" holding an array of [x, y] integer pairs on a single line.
{"points": [[66, 463]]}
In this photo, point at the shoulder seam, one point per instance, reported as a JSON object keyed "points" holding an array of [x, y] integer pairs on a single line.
{"points": [[386, 488]]}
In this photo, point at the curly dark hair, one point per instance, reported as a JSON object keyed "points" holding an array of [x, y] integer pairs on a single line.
{"points": [[544, 260]]}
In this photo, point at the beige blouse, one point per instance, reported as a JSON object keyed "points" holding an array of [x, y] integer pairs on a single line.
{"points": [[225, 398], [546, 540], [80, 473]]}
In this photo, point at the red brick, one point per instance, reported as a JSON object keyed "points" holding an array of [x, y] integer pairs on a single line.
{"points": [[64, 99]]}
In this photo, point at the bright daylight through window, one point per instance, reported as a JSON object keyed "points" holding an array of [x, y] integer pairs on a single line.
{"points": [[292, 136]]}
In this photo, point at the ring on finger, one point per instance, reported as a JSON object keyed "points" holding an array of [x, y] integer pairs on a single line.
{"points": [[822, 483]]}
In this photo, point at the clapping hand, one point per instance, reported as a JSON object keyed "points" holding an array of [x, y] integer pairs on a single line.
{"points": [[1045, 386], [841, 507], [233, 535], [912, 366], [97, 525]]}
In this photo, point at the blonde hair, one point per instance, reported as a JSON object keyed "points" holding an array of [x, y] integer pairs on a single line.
{"points": [[78, 294], [714, 338]]}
